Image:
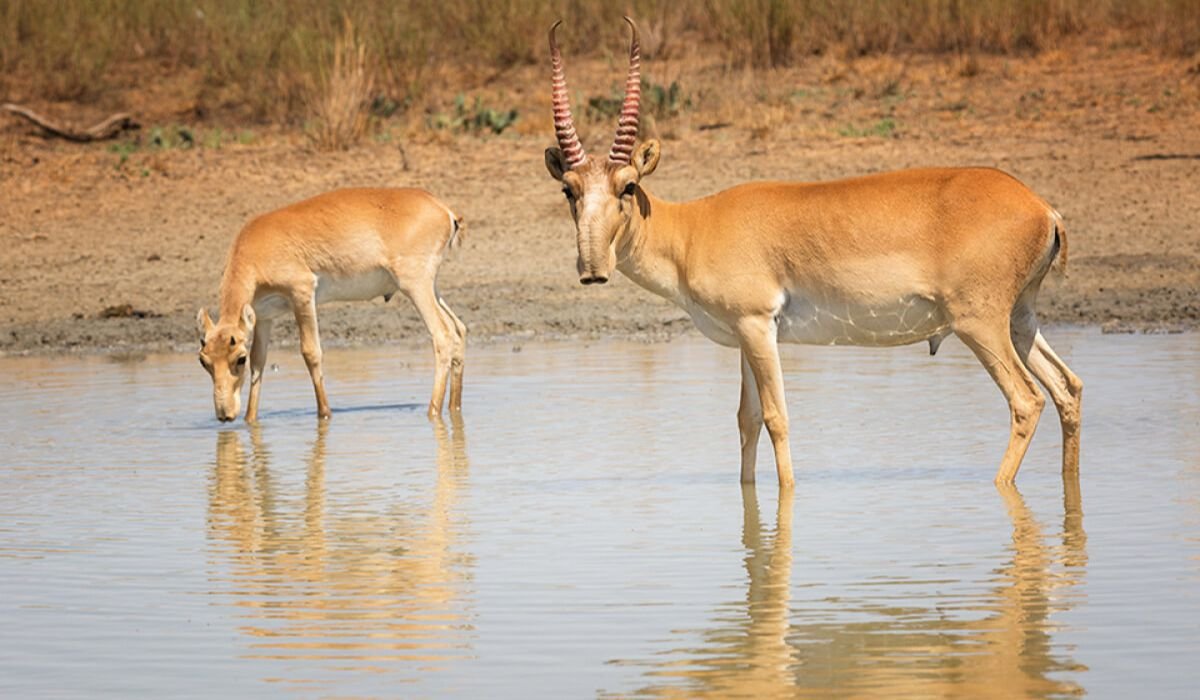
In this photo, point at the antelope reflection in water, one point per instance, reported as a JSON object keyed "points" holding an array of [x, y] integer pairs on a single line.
{"points": [[361, 583], [764, 649]]}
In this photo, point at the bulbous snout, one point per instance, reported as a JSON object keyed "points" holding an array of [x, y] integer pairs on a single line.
{"points": [[227, 405], [595, 263], [596, 241]]}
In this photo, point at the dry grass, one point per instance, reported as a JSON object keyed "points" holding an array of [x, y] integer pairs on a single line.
{"points": [[342, 99], [779, 32], [260, 60]]}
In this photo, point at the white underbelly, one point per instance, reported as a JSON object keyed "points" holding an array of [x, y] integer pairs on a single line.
{"points": [[378, 282], [368, 285], [905, 320]]}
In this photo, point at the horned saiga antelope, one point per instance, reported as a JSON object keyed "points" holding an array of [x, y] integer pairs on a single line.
{"points": [[346, 245], [882, 260]]}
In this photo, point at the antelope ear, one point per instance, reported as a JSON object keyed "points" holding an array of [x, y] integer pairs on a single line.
{"points": [[556, 163], [203, 323], [248, 317], [645, 157]]}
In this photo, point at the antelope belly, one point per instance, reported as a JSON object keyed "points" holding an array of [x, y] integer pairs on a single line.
{"points": [[360, 287], [907, 319]]}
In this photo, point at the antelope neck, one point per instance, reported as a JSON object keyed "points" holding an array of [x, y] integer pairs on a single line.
{"points": [[238, 287], [655, 243]]}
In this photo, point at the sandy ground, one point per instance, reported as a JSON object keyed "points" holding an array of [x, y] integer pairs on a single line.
{"points": [[1111, 139]]}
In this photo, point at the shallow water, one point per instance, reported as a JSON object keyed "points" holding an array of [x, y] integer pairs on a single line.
{"points": [[581, 531]]}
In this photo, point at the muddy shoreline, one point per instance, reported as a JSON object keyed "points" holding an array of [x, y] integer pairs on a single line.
{"points": [[108, 251]]}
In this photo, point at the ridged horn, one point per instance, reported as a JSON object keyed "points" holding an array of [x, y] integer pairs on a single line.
{"points": [[627, 123], [564, 124]]}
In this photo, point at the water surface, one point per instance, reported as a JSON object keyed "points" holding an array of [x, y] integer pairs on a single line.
{"points": [[581, 531]]}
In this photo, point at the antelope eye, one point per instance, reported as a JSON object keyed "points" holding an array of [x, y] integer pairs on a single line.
{"points": [[568, 193], [241, 361], [629, 189]]}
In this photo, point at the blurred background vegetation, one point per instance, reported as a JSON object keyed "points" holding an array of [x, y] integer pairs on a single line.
{"points": [[296, 61]]}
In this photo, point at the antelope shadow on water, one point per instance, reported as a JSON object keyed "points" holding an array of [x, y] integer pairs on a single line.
{"points": [[332, 586], [763, 647]]}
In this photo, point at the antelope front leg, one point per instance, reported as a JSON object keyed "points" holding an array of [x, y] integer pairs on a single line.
{"points": [[305, 308], [750, 421], [258, 360], [758, 339]]}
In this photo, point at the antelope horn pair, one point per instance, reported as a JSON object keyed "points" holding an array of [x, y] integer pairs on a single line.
{"points": [[627, 123]]}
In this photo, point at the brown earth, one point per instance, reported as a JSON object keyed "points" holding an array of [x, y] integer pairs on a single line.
{"points": [[110, 252]]}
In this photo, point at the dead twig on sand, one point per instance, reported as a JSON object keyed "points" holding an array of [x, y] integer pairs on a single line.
{"points": [[107, 129]]}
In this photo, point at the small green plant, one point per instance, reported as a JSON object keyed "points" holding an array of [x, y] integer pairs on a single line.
{"points": [[659, 101], [601, 108], [123, 149], [884, 128], [171, 137], [177, 137], [474, 119], [383, 106], [666, 101], [214, 138]]}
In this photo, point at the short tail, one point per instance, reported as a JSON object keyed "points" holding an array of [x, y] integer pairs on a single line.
{"points": [[1059, 256], [457, 231]]}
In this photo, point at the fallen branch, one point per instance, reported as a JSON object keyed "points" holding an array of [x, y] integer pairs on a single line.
{"points": [[106, 129]]}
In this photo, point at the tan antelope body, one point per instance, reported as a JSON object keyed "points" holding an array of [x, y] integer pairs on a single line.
{"points": [[882, 260], [346, 245]]}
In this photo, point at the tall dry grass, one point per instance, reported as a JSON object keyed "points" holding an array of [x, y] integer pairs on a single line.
{"points": [[341, 99], [779, 32], [261, 58]]}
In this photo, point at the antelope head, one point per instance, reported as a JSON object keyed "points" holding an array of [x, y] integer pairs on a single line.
{"points": [[224, 350], [604, 196]]}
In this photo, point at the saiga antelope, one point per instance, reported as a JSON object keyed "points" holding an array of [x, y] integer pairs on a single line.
{"points": [[882, 260], [346, 245]]}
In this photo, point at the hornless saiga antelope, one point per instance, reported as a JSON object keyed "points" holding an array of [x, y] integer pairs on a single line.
{"points": [[882, 260], [346, 245]]}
